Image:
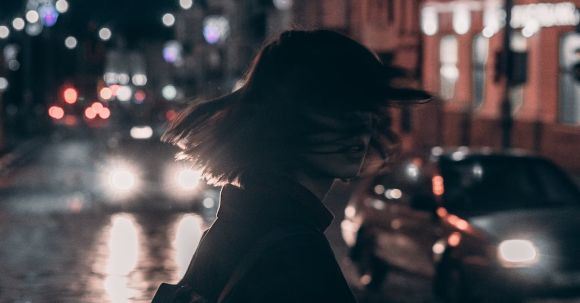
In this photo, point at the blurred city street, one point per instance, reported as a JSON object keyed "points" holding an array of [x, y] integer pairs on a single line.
{"points": [[61, 242]]}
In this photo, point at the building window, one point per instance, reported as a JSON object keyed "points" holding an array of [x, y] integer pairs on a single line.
{"points": [[479, 57], [448, 71], [569, 101]]}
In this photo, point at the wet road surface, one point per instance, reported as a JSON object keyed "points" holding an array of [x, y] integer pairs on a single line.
{"points": [[59, 242]]}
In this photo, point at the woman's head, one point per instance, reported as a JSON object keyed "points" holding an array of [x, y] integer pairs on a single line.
{"points": [[310, 102]]}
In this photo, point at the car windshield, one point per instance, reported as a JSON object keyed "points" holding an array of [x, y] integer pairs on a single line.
{"points": [[489, 184]]}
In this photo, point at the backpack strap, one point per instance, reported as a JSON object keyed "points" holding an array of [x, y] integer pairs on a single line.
{"points": [[267, 242]]}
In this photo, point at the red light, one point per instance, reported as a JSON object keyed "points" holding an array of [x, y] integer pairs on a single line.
{"points": [[90, 113], [114, 89], [70, 95], [56, 112], [97, 106], [104, 113], [140, 96], [170, 115]]}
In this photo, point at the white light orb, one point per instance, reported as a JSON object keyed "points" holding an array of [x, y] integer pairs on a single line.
{"points": [[70, 42], [4, 32], [168, 19], [186, 4], [32, 16], [18, 24], [3, 84], [139, 79], [34, 29], [124, 93], [105, 34], [283, 4], [169, 92], [61, 6]]}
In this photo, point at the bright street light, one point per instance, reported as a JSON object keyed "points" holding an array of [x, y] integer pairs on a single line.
{"points": [[105, 34], [32, 16], [70, 42], [168, 19], [4, 32], [18, 24], [186, 4], [61, 6]]}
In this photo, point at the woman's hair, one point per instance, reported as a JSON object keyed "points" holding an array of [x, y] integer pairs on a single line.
{"points": [[264, 125]]}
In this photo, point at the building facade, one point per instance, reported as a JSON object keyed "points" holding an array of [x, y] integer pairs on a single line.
{"points": [[461, 42]]}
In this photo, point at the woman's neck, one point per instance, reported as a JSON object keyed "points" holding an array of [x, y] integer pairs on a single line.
{"points": [[317, 185]]}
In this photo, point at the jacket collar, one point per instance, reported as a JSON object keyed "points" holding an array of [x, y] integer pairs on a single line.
{"points": [[273, 198]]}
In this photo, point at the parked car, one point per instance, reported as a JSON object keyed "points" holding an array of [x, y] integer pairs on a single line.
{"points": [[491, 226]]}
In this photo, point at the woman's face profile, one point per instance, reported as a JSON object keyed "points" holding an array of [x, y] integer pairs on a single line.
{"points": [[339, 147]]}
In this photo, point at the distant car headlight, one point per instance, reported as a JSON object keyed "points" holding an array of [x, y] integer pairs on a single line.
{"points": [[120, 179], [181, 182], [517, 253]]}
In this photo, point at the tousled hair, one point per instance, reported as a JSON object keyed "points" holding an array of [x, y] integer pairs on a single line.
{"points": [[264, 125]]}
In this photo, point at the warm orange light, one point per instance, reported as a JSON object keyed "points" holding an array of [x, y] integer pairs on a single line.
{"points": [[454, 239], [56, 112], [442, 212], [90, 113], [104, 113], [97, 106], [70, 95], [438, 188], [106, 93]]}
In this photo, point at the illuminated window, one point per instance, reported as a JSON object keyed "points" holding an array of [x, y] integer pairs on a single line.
{"points": [[448, 70], [479, 57], [569, 103]]}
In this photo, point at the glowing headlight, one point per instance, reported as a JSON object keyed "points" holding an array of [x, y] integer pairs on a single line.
{"points": [[181, 182], [120, 179], [517, 253]]}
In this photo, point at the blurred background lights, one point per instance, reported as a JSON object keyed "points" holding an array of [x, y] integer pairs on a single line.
{"points": [[90, 113], [18, 24], [48, 15], [124, 93], [168, 19], [461, 20], [13, 65], [3, 84], [429, 21], [208, 202], [61, 6], [215, 29], [105, 33], [169, 92], [4, 31], [123, 78], [56, 112], [139, 79], [172, 52], [141, 132], [32, 16], [70, 42], [34, 29], [70, 95], [186, 4], [105, 93], [140, 96], [283, 4]]}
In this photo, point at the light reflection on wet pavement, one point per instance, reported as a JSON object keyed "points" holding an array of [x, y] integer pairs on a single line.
{"points": [[119, 257]]}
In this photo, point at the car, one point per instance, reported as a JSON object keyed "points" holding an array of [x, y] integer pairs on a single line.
{"points": [[137, 170], [485, 225]]}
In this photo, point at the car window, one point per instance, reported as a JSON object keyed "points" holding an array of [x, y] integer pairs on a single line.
{"points": [[488, 184]]}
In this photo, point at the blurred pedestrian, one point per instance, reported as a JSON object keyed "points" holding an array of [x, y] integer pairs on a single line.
{"points": [[312, 107]]}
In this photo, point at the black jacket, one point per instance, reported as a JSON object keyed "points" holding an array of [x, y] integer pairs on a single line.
{"points": [[298, 269]]}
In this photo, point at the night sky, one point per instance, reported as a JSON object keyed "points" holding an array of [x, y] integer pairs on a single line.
{"points": [[134, 19]]}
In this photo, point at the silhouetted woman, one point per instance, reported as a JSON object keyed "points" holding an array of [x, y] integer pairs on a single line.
{"points": [[312, 105]]}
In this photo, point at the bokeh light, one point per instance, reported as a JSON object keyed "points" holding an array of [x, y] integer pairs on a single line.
{"points": [[168, 19], [169, 92], [61, 6], [32, 16], [186, 4], [56, 112], [124, 93], [18, 23], [3, 84], [70, 42], [70, 95], [105, 34], [4, 32]]}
